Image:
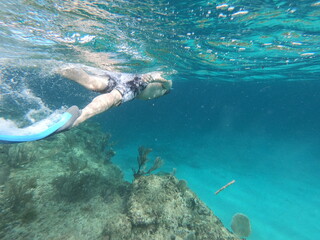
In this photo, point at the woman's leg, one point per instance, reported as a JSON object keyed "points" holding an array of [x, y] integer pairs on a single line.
{"points": [[98, 105], [91, 82]]}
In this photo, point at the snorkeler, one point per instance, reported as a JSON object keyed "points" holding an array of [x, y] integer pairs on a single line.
{"points": [[115, 89]]}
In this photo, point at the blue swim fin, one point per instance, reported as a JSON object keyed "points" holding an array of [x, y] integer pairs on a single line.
{"points": [[65, 123]]}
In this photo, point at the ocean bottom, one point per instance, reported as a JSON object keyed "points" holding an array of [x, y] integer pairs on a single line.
{"points": [[276, 178]]}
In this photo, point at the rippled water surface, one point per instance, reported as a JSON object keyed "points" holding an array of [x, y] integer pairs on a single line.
{"points": [[210, 40]]}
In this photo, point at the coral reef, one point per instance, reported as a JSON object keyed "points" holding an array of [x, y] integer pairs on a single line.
{"points": [[66, 187], [20, 154], [16, 204], [4, 174], [19, 193], [159, 209]]}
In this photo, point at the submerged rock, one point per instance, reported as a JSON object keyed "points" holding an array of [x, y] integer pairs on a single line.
{"points": [[67, 190], [158, 209], [240, 225]]}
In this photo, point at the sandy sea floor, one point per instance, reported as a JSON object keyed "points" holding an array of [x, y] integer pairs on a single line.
{"points": [[276, 179]]}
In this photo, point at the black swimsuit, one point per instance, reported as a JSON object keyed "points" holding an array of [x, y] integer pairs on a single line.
{"points": [[128, 85]]}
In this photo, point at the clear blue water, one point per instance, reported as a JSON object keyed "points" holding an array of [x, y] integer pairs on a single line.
{"points": [[244, 104]]}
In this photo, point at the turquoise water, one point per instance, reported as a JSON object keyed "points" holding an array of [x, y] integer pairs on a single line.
{"points": [[244, 103]]}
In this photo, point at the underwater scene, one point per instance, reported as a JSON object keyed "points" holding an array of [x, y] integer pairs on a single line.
{"points": [[225, 147]]}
